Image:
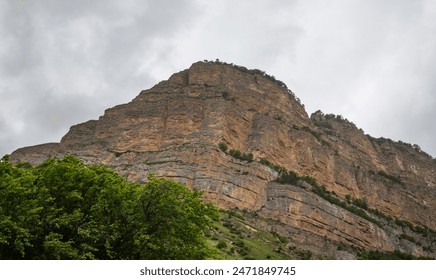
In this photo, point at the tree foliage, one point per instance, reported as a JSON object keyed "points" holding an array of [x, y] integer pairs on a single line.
{"points": [[64, 209]]}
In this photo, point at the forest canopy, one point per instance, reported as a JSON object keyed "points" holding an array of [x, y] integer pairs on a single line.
{"points": [[65, 209]]}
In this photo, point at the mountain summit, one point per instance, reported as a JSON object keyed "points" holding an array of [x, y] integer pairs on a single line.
{"points": [[245, 140]]}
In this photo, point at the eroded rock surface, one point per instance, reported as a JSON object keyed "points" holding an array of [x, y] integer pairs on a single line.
{"points": [[173, 130]]}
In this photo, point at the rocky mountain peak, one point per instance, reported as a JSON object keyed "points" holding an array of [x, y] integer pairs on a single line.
{"points": [[244, 139]]}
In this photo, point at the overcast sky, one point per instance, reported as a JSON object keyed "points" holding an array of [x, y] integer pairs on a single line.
{"points": [[64, 62]]}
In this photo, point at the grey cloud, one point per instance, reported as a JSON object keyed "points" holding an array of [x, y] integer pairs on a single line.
{"points": [[256, 34], [64, 62], [370, 61]]}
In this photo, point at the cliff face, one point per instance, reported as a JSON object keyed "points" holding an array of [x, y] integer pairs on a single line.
{"points": [[174, 130]]}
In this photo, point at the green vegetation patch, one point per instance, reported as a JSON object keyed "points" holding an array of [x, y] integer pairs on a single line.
{"points": [[357, 206], [236, 153], [317, 136], [395, 255], [242, 156], [233, 237], [223, 146], [390, 177], [65, 209]]}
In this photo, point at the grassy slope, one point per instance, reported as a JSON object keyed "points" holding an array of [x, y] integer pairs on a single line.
{"points": [[232, 238]]}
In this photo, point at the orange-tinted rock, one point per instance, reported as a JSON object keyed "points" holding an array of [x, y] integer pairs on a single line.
{"points": [[173, 130]]}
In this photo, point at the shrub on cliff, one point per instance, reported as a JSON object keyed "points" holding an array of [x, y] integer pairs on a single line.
{"points": [[242, 156], [223, 146]]}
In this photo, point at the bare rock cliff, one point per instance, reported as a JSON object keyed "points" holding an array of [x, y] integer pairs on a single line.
{"points": [[352, 189]]}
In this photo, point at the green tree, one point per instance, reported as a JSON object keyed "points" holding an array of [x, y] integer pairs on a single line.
{"points": [[64, 209], [18, 210], [174, 221]]}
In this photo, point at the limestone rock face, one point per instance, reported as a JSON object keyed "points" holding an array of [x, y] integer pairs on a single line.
{"points": [[173, 130]]}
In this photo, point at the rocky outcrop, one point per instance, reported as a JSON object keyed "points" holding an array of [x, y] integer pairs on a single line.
{"points": [[173, 130]]}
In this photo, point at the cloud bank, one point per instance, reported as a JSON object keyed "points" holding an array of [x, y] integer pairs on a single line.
{"points": [[64, 62]]}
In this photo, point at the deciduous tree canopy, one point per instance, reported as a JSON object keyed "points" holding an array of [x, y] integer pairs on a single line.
{"points": [[65, 209]]}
